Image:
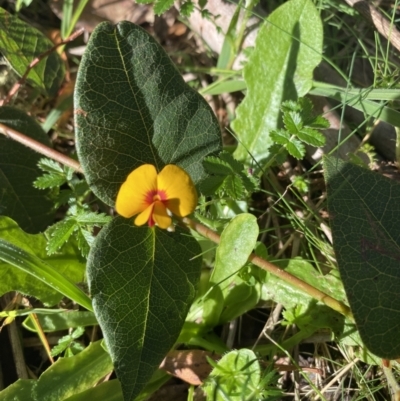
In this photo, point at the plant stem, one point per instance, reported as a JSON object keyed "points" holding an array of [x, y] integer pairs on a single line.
{"points": [[278, 272], [40, 148]]}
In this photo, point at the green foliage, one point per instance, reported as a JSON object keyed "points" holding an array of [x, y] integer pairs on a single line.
{"points": [[287, 49], [68, 344], [66, 377], [227, 177], [68, 265], [237, 376], [155, 117], [365, 211], [31, 208], [154, 271], [21, 44], [300, 127], [79, 221]]}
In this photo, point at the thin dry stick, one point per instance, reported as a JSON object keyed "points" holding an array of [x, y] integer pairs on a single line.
{"points": [[40, 148], [382, 25], [36, 61]]}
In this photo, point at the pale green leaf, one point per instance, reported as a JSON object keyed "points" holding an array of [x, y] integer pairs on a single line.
{"points": [[287, 49]]}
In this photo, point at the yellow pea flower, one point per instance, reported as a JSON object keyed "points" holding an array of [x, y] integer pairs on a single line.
{"points": [[150, 195]]}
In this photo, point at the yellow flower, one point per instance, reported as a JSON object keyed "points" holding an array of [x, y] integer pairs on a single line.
{"points": [[150, 195]]}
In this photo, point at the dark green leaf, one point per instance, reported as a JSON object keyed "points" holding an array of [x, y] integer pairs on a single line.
{"points": [[212, 184], [19, 200], [20, 44], [365, 215], [133, 107], [234, 187], [236, 165], [149, 275], [214, 165]]}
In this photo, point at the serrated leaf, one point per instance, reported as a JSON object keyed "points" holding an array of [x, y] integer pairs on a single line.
{"points": [[292, 121], [49, 181], [212, 184], [20, 44], [50, 166], [59, 233], [29, 206], [85, 240], [150, 275], [143, 112], [281, 137], [162, 6], [311, 137], [287, 49], [68, 264], [249, 185], [296, 148], [92, 218], [365, 218], [214, 165], [319, 122], [236, 165], [234, 187]]}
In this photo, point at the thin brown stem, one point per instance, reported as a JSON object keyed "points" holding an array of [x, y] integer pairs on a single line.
{"points": [[278, 272], [36, 61], [40, 148]]}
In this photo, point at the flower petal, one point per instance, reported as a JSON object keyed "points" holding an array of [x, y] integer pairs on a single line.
{"points": [[144, 217], [181, 192], [131, 198], [160, 215]]}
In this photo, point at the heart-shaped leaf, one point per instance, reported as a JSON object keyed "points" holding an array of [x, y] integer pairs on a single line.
{"points": [[364, 209], [132, 107], [142, 281]]}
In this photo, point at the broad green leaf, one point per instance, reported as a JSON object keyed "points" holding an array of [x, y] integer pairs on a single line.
{"points": [[142, 282], [19, 200], [162, 6], [34, 266], [61, 320], [20, 44], [236, 377], [69, 376], [68, 264], [281, 292], [107, 391], [132, 107], [21, 390], [238, 240], [365, 216], [287, 49]]}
